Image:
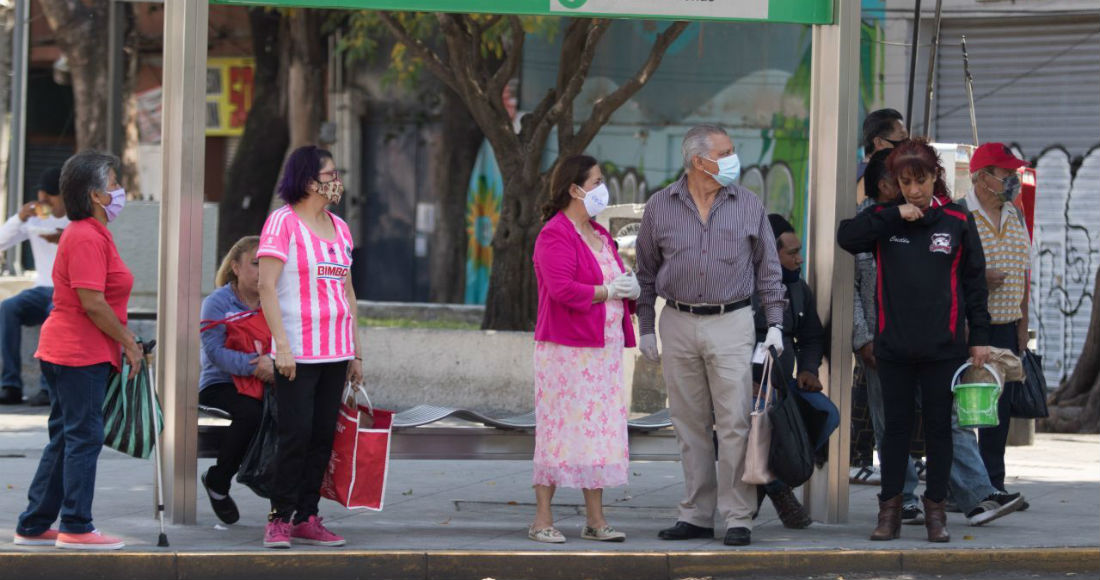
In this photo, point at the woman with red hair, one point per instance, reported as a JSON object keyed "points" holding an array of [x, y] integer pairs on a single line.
{"points": [[932, 315]]}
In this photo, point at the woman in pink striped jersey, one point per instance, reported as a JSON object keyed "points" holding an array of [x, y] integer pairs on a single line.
{"points": [[309, 304]]}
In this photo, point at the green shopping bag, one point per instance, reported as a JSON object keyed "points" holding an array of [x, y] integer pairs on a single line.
{"points": [[132, 418]]}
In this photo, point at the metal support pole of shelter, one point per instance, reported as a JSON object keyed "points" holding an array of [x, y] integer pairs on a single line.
{"points": [[18, 110], [833, 126], [180, 272], [116, 31]]}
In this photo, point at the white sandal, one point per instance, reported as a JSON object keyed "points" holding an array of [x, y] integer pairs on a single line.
{"points": [[549, 535]]}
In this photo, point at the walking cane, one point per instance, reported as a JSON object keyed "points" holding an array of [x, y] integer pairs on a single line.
{"points": [[147, 348]]}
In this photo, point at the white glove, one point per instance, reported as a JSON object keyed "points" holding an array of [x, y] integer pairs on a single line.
{"points": [[625, 286], [774, 339], [648, 347]]}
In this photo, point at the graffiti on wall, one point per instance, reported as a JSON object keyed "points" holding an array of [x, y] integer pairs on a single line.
{"points": [[1067, 249]]}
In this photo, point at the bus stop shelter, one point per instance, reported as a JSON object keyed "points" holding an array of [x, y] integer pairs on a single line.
{"points": [[832, 168]]}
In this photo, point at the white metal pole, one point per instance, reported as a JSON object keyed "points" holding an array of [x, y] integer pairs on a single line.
{"points": [[18, 138], [834, 91], [180, 268]]}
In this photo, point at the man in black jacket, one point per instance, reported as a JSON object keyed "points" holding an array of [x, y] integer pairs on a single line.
{"points": [[804, 344]]}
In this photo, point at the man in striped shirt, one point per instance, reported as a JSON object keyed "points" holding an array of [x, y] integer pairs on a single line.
{"points": [[1007, 248], [705, 245]]}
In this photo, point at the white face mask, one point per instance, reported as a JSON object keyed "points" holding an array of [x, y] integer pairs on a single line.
{"points": [[729, 169], [595, 200]]}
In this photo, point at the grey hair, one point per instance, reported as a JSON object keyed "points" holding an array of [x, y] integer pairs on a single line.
{"points": [[697, 142], [82, 174]]}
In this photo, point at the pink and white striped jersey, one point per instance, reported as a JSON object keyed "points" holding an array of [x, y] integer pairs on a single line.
{"points": [[316, 314]]}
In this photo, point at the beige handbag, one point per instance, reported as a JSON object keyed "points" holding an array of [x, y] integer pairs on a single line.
{"points": [[760, 432]]}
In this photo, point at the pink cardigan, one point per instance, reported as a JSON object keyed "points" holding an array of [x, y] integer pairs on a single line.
{"points": [[566, 271]]}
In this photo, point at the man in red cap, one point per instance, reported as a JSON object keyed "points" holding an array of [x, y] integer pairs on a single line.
{"points": [[1007, 248]]}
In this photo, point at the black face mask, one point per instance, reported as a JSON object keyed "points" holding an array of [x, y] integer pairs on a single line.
{"points": [[791, 276], [892, 142]]}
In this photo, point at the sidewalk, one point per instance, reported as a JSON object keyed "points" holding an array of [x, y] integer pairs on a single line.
{"points": [[469, 519]]}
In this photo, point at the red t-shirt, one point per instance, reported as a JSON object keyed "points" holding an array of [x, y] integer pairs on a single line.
{"points": [[86, 258]]}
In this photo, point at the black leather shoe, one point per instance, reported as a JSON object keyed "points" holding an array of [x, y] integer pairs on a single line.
{"points": [[11, 396], [225, 508], [685, 531], [738, 537]]}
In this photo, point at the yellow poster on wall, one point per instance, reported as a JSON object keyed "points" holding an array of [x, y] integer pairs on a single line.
{"points": [[229, 84]]}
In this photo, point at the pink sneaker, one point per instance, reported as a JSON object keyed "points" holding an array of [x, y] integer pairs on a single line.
{"points": [[47, 538], [312, 532], [277, 534], [92, 540]]}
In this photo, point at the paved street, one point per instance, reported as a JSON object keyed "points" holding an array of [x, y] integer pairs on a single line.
{"points": [[486, 506]]}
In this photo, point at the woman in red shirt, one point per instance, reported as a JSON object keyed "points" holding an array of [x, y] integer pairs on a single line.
{"points": [[84, 337]]}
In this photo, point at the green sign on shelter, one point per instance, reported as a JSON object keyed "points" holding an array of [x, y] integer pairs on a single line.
{"points": [[797, 11]]}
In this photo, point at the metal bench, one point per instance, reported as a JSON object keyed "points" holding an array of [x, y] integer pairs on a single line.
{"points": [[433, 432]]}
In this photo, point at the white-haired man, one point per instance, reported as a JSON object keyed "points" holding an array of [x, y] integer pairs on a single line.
{"points": [[705, 246]]}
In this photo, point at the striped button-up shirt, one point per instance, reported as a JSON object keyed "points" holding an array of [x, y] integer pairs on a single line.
{"points": [[720, 261]]}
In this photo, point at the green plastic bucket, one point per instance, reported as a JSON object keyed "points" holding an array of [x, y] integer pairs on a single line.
{"points": [[976, 403]]}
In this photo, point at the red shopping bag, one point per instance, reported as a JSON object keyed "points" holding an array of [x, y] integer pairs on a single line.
{"points": [[245, 332], [356, 474]]}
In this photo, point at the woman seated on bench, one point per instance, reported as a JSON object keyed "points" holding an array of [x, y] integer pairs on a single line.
{"points": [[235, 367]]}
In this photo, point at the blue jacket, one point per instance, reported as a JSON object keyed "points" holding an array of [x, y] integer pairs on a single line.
{"points": [[220, 363]]}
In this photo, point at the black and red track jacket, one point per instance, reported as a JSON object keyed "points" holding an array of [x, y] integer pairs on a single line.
{"points": [[930, 281]]}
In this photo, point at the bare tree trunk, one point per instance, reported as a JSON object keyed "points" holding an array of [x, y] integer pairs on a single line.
{"points": [[512, 300], [458, 149], [254, 170], [306, 77], [80, 28], [1075, 406]]}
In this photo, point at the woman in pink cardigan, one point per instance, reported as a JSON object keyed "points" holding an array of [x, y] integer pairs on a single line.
{"points": [[585, 301]]}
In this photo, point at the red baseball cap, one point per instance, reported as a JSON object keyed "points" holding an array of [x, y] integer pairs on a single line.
{"points": [[994, 155]]}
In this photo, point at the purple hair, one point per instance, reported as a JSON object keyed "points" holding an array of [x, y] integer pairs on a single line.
{"points": [[303, 166]]}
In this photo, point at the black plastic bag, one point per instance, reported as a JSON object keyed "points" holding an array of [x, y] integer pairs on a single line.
{"points": [[791, 457], [258, 466], [1028, 399]]}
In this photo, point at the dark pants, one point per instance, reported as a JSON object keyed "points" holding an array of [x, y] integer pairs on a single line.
{"points": [[64, 483], [246, 413], [992, 440], [308, 407], [900, 382], [28, 308]]}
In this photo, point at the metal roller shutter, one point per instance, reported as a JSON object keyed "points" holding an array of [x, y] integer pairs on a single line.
{"points": [[1036, 82]]}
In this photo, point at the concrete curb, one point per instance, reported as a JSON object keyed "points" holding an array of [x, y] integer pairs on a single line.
{"points": [[462, 565]]}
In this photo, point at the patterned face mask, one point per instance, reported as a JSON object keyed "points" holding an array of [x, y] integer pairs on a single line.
{"points": [[332, 190]]}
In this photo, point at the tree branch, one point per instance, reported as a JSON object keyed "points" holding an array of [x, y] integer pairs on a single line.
{"points": [[576, 75], [605, 107], [432, 60], [511, 61]]}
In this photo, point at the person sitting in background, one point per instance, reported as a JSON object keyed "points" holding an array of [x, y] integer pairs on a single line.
{"points": [[40, 223], [226, 371], [804, 342]]}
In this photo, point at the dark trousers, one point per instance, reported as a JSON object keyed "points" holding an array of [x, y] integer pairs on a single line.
{"points": [[900, 381], [64, 483], [992, 440], [246, 413], [27, 308], [308, 407]]}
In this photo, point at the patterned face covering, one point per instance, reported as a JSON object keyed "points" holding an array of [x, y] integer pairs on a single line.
{"points": [[332, 190]]}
